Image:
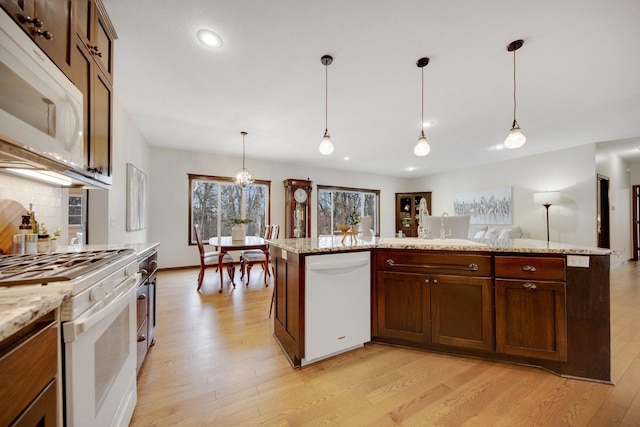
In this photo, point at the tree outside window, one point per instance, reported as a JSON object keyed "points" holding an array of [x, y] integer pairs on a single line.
{"points": [[335, 204], [215, 201]]}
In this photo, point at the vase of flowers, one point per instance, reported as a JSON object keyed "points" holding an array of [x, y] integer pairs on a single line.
{"points": [[354, 221], [239, 229]]}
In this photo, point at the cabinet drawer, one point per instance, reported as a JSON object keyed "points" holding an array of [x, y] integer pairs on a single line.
{"points": [[142, 298], [530, 268], [26, 370], [425, 262]]}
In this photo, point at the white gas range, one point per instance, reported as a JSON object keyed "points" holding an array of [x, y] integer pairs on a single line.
{"points": [[98, 328]]}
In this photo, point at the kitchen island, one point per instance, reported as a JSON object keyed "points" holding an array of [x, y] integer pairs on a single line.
{"points": [[518, 301]]}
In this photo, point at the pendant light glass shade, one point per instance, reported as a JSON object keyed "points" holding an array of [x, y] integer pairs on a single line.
{"points": [[326, 146], [242, 177], [515, 139], [422, 148]]}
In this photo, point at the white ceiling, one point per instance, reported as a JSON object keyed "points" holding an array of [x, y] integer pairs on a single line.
{"points": [[578, 78]]}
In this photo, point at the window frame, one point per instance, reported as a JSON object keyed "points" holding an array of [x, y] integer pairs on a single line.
{"points": [[322, 188], [221, 179]]}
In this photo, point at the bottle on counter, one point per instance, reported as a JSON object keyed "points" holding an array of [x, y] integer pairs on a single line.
{"points": [[25, 227]]}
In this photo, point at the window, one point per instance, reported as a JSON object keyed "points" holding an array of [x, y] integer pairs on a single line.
{"points": [[336, 203], [214, 201]]}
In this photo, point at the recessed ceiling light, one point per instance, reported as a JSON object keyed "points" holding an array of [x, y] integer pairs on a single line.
{"points": [[209, 38], [411, 168], [346, 157], [497, 147], [428, 123]]}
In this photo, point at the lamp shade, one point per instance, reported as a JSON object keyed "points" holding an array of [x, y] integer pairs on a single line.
{"points": [[547, 198]]}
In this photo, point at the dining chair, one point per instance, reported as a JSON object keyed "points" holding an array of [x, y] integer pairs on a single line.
{"points": [[211, 259], [250, 257]]}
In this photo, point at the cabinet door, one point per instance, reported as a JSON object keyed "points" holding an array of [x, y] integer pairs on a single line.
{"points": [[100, 143], [402, 307], [462, 311], [56, 18], [43, 411], [531, 319]]}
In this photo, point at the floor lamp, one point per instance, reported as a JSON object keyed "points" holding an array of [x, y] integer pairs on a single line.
{"points": [[547, 199]]}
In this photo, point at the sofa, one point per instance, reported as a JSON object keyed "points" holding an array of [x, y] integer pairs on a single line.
{"points": [[493, 232]]}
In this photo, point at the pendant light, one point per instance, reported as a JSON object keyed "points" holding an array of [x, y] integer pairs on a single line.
{"points": [[515, 139], [326, 147], [243, 177], [422, 148]]}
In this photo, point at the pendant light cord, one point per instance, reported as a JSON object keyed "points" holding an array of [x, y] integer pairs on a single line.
{"points": [[514, 88], [422, 102], [326, 98], [243, 148]]}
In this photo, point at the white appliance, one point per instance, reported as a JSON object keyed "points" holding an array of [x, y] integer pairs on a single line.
{"points": [[41, 113], [98, 328], [337, 304]]}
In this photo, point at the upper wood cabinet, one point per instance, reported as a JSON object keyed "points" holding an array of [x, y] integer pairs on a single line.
{"points": [[408, 211], [95, 31], [92, 68], [49, 23]]}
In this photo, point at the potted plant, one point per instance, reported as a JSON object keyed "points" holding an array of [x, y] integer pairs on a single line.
{"points": [[353, 220], [238, 230]]}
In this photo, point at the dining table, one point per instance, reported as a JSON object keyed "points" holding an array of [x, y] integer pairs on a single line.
{"points": [[227, 243]]}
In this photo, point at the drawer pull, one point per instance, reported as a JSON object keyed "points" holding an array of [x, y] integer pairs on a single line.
{"points": [[142, 338], [529, 286], [143, 271], [142, 296], [470, 267], [530, 268]]}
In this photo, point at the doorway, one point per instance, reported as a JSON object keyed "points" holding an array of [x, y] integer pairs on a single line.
{"points": [[636, 221], [603, 212]]}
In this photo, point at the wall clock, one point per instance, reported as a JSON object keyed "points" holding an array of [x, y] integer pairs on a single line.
{"points": [[297, 209]]}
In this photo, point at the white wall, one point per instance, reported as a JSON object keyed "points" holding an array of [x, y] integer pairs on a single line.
{"points": [[107, 209], [571, 171], [169, 194], [618, 172]]}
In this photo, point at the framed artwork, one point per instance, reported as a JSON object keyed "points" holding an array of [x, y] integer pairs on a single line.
{"points": [[136, 198], [485, 206]]}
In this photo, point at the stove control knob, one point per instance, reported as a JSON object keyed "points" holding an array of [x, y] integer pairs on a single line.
{"points": [[97, 293]]}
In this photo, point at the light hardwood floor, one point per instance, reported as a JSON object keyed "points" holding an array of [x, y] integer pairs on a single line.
{"points": [[216, 364]]}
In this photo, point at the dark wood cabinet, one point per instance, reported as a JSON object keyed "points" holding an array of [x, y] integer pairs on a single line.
{"points": [[402, 311], [93, 76], [531, 316], [288, 308], [408, 211], [433, 299], [146, 305], [48, 23], [462, 311], [28, 368]]}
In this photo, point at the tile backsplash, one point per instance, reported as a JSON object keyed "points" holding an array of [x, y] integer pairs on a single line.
{"points": [[48, 202]]}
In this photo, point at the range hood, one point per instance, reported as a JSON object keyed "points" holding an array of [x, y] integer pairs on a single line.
{"points": [[24, 162]]}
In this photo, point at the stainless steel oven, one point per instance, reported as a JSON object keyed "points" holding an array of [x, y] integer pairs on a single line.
{"points": [[98, 328]]}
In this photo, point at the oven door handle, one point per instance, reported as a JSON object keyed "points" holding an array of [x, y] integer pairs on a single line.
{"points": [[72, 329]]}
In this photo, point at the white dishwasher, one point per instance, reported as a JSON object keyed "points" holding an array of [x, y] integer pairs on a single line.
{"points": [[337, 304]]}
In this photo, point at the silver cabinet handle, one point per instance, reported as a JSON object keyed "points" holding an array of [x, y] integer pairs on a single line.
{"points": [[470, 267], [530, 268], [529, 286]]}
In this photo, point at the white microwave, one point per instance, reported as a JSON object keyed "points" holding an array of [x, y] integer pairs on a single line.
{"points": [[41, 111]]}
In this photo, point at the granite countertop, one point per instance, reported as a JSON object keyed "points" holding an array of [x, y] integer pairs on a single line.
{"points": [[22, 305], [337, 244]]}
